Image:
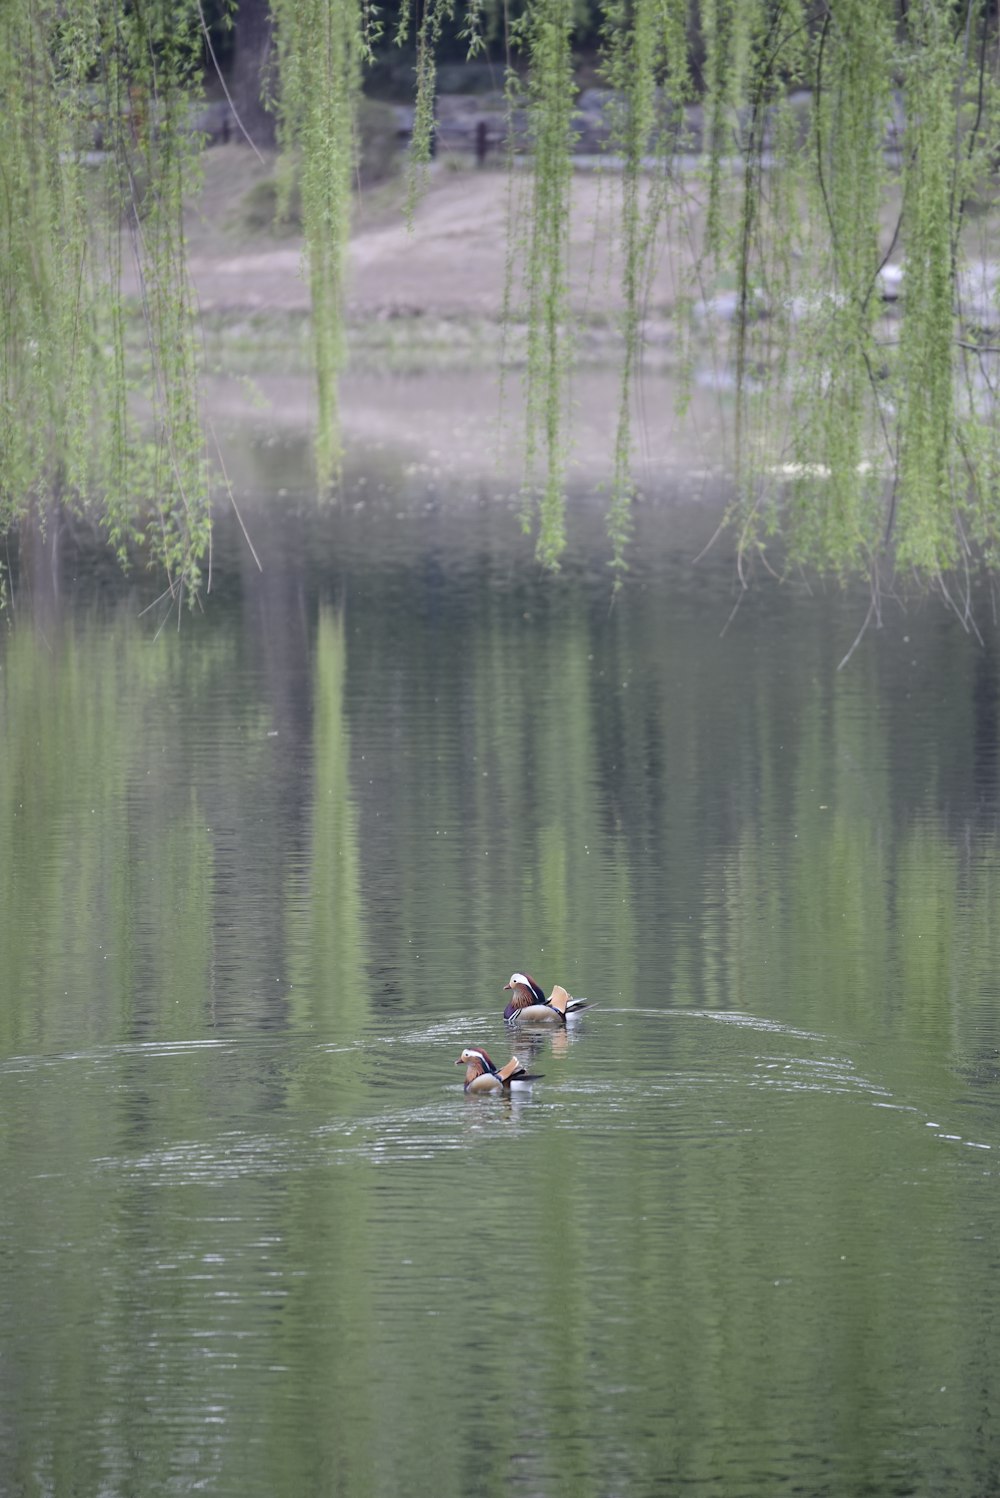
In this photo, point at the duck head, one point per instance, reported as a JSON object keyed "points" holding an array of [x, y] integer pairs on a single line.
{"points": [[476, 1059], [524, 980]]}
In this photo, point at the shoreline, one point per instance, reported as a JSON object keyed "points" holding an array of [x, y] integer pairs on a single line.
{"points": [[461, 423], [433, 371]]}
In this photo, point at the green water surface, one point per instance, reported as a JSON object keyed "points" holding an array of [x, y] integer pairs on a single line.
{"points": [[263, 878]]}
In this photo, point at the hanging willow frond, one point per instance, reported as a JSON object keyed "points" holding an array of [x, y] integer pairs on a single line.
{"points": [[647, 67], [544, 34], [69, 70], [833, 135], [320, 45]]}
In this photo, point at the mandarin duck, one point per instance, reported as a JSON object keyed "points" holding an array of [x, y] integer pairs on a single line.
{"points": [[528, 1002], [482, 1076]]}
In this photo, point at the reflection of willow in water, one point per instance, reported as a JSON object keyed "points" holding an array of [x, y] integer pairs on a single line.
{"points": [[538, 722], [325, 921], [327, 1327], [826, 901], [106, 883]]}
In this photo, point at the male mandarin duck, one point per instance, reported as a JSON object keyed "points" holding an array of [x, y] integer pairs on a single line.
{"points": [[482, 1076], [528, 1002]]}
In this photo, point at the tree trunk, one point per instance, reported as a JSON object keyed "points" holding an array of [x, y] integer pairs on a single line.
{"points": [[252, 64]]}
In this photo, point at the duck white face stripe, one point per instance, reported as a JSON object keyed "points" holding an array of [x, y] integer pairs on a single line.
{"points": [[471, 1054]]}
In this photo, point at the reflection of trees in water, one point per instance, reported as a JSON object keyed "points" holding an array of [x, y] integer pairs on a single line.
{"points": [[985, 699], [490, 772]]}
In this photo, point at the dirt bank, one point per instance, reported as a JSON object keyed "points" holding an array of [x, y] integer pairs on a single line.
{"points": [[425, 307], [450, 262]]}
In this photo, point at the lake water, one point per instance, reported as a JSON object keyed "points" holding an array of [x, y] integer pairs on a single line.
{"points": [[264, 877]]}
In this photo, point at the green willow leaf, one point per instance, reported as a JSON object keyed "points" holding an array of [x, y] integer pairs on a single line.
{"points": [[832, 140]]}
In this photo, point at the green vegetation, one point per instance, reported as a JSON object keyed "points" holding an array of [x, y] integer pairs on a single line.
{"points": [[68, 427], [319, 59], [829, 136]]}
